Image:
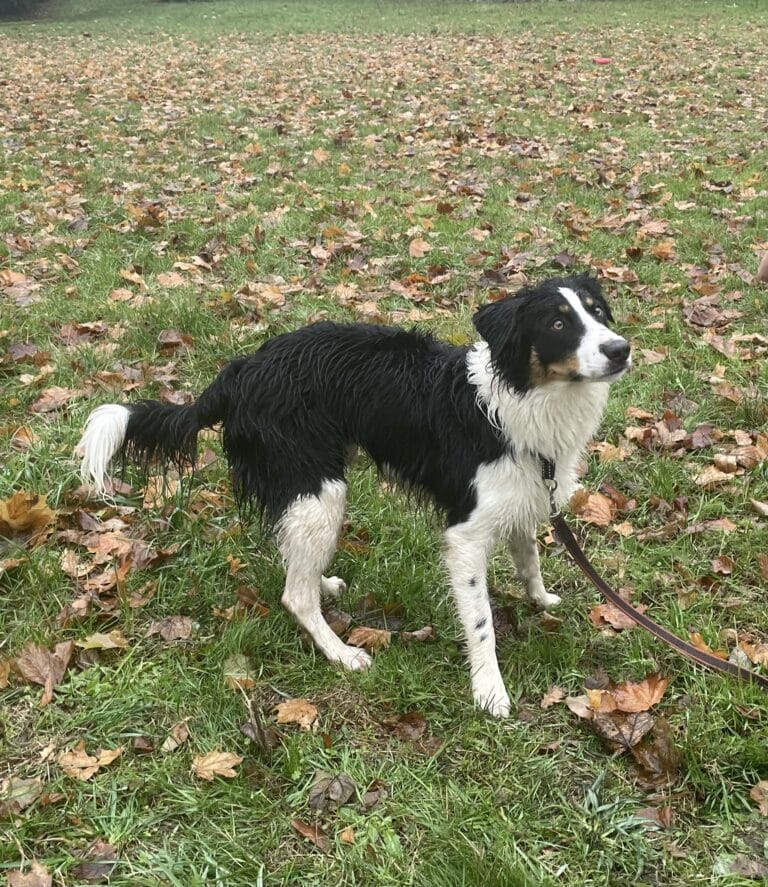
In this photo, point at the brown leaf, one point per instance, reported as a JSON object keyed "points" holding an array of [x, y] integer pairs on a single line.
{"points": [[622, 730], [409, 726], [178, 735], [661, 816], [100, 859], [750, 867], [80, 765], [298, 711], [54, 399], [664, 251], [215, 763], [238, 673], [16, 794], [658, 759], [418, 248], [594, 508], [347, 835], [579, 705], [115, 640], [554, 695], [421, 634], [371, 639], [40, 666], [37, 876], [330, 792], [759, 794], [608, 614], [640, 696], [376, 792], [723, 565], [25, 517], [760, 507], [172, 628], [312, 833]]}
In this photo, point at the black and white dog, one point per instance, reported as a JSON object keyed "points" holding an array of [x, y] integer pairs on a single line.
{"points": [[466, 426]]}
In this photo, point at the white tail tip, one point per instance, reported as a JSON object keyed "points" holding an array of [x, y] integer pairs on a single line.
{"points": [[102, 438]]}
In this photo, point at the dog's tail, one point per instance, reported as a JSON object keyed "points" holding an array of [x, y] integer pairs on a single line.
{"points": [[150, 430]]}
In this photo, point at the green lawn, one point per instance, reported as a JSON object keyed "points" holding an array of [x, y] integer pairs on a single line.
{"points": [[180, 181]]}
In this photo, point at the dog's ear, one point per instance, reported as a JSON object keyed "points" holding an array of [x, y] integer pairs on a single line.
{"points": [[498, 323]]}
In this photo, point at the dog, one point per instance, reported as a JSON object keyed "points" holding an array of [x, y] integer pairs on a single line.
{"points": [[466, 427]]}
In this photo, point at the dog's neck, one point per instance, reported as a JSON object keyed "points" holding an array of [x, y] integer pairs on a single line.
{"points": [[555, 420]]}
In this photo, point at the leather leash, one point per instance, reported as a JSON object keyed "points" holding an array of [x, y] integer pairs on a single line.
{"points": [[566, 537]]}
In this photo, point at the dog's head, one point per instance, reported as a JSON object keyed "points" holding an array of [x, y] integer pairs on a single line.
{"points": [[555, 332]]}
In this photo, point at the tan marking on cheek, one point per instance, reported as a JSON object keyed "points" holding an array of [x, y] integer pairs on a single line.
{"points": [[565, 309], [554, 372], [538, 374], [563, 369]]}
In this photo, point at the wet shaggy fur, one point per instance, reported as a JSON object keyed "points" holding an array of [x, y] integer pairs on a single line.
{"points": [[463, 426]]}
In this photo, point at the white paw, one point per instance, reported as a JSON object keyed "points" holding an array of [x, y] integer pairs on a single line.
{"points": [[545, 600], [332, 586], [494, 700], [354, 659]]}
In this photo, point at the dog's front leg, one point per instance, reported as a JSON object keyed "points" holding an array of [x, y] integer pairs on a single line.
{"points": [[525, 554], [466, 557]]}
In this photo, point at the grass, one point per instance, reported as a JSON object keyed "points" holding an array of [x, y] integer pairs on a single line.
{"points": [[261, 131]]}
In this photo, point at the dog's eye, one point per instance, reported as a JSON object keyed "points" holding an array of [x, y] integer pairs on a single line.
{"points": [[558, 325], [598, 311]]}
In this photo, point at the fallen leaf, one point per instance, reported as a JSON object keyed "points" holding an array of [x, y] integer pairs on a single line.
{"points": [[238, 673], [312, 833], [115, 640], [298, 711], [594, 508], [418, 248], [409, 726], [421, 634], [657, 759], [38, 665], [640, 696], [172, 628], [25, 518], [749, 867], [215, 763], [80, 765], [330, 792], [16, 794], [347, 835], [759, 794], [371, 639], [554, 695], [100, 858], [178, 735], [375, 794], [37, 876], [55, 398], [622, 730]]}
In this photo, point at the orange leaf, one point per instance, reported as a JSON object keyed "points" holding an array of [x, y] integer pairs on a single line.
{"points": [[215, 763], [640, 696]]}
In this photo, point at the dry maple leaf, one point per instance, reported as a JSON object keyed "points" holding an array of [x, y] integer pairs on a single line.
{"points": [[372, 639], [40, 666], [37, 876], [639, 696], [25, 517], [622, 730], [418, 248], [115, 640], [609, 614], [658, 759], [554, 695], [80, 765], [594, 508], [171, 628], [55, 398], [215, 763], [297, 711]]}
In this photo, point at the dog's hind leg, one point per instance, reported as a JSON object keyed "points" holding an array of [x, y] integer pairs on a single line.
{"points": [[466, 556], [307, 533], [525, 554]]}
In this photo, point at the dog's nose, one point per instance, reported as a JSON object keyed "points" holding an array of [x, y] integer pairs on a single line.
{"points": [[617, 351]]}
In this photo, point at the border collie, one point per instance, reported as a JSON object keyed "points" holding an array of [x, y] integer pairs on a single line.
{"points": [[465, 426]]}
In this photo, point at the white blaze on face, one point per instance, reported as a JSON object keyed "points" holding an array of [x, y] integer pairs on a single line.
{"points": [[593, 363]]}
